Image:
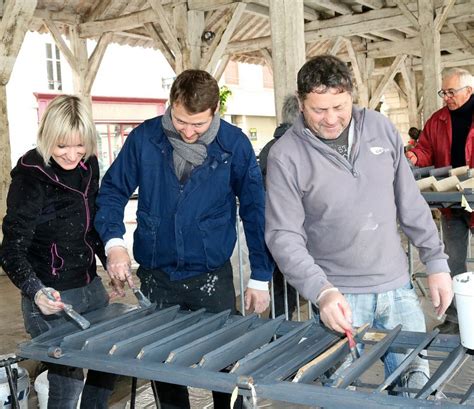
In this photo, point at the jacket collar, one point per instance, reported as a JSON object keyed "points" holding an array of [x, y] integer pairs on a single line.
{"points": [[218, 148], [33, 160]]}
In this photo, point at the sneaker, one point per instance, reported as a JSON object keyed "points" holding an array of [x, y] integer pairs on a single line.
{"points": [[448, 327]]}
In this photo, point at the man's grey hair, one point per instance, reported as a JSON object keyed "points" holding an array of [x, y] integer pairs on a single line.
{"points": [[465, 77], [290, 109]]}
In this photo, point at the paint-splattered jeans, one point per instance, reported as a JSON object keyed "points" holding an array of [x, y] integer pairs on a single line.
{"points": [[66, 383], [386, 311]]}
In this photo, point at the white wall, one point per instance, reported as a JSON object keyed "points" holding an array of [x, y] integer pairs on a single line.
{"points": [[124, 72], [250, 97]]}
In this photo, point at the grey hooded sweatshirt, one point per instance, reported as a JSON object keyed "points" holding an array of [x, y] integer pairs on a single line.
{"points": [[333, 222]]}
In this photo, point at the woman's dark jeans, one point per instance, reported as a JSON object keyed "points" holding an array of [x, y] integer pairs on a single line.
{"points": [[66, 383]]}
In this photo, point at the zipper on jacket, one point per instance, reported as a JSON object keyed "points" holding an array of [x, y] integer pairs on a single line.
{"points": [[54, 256]]}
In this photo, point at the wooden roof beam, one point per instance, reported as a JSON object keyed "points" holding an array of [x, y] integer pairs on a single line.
{"points": [[389, 75], [336, 46], [375, 20], [412, 45], [267, 56], [161, 44], [121, 23], [354, 62], [59, 41], [63, 17], [95, 59], [391, 35], [462, 38], [442, 15], [17, 15], [221, 67], [407, 13], [373, 4], [99, 9], [214, 54], [340, 8], [169, 32]]}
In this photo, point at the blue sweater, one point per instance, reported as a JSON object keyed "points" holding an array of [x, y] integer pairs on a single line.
{"points": [[186, 229]]}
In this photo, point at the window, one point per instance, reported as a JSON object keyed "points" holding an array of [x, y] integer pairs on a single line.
{"points": [[166, 82], [53, 67], [111, 137]]}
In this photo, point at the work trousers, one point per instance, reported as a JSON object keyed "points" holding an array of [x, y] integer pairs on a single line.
{"points": [[456, 239], [66, 383], [213, 291]]}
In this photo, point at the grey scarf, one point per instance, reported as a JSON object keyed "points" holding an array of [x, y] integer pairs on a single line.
{"points": [[187, 156]]}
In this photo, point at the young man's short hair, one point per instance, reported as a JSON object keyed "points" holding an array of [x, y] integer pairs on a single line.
{"points": [[196, 90]]}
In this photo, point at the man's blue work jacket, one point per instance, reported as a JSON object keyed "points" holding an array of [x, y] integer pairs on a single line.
{"points": [[186, 229]]}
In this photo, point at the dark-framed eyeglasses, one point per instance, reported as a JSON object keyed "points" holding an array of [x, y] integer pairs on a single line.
{"points": [[449, 92]]}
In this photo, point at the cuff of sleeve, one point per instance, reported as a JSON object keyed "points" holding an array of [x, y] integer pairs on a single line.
{"points": [[437, 266], [32, 288], [116, 242], [326, 290], [258, 285]]}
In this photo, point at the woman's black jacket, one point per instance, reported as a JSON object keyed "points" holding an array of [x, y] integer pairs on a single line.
{"points": [[48, 233]]}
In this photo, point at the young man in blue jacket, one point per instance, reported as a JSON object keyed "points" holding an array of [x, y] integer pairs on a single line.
{"points": [[189, 166]]}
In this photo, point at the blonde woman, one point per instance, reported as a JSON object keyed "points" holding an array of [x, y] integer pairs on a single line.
{"points": [[50, 242]]}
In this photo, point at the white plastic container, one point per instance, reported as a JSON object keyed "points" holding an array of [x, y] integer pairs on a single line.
{"points": [[463, 286], [42, 389], [23, 389]]}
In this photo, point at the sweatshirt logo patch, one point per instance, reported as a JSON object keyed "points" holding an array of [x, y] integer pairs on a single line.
{"points": [[378, 150]]}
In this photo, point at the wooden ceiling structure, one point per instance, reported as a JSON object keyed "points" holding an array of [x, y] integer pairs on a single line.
{"points": [[405, 43]]}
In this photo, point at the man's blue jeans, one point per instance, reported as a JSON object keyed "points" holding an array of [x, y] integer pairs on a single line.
{"points": [[386, 311], [456, 239], [66, 383]]}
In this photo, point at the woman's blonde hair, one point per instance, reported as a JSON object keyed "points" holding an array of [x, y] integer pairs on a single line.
{"points": [[65, 117]]}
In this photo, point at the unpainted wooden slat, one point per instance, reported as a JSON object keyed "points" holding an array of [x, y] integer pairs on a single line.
{"points": [[461, 170], [314, 369], [448, 184]]}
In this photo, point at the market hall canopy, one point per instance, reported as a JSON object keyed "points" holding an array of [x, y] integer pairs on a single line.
{"points": [[384, 41]]}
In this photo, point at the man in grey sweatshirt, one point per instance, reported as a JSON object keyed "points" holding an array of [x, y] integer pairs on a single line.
{"points": [[337, 184]]}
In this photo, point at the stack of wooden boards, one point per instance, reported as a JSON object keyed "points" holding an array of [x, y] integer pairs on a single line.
{"points": [[457, 179]]}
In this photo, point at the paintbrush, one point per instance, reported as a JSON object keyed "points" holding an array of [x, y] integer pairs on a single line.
{"points": [[78, 318], [350, 339], [143, 301]]}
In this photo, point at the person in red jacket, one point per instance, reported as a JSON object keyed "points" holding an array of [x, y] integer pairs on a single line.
{"points": [[448, 139]]}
